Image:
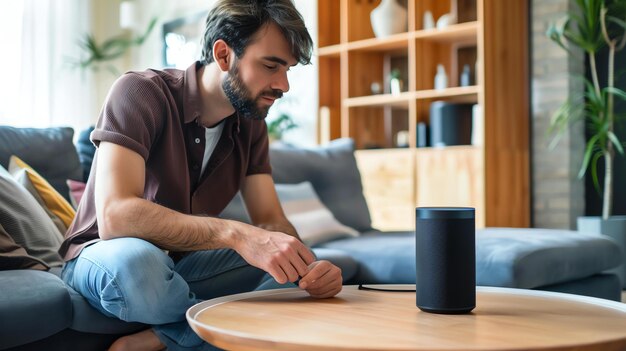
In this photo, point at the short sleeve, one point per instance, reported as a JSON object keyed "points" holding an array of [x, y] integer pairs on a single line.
{"points": [[259, 162], [132, 115]]}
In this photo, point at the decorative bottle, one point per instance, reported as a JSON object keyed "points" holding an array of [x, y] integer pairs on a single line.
{"points": [[441, 79], [466, 79], [388, 18]]}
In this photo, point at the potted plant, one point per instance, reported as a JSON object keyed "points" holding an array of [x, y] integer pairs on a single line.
{"points": [[596, 25], [278, 126]]}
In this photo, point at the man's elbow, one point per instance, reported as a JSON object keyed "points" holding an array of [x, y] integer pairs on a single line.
{"points": [[111, 218]]}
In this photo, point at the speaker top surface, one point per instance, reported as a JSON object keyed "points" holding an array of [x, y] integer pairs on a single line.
{"points": [[444, 212]]}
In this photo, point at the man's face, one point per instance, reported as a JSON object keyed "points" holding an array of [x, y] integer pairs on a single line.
{"points": [[260, 76], [245, 103]]}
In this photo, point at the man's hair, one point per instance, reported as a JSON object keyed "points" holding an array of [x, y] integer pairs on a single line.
{"points": [[236, 22]]}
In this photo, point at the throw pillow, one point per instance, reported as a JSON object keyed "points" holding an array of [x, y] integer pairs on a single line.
{"points": [[27, 223], [86, 151], [50, 151], [313, 221], [333, 171], [53, 201], [13, 256], [21, 176], [77, 189]]}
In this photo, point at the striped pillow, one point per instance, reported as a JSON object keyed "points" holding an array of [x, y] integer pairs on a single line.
{"points": [[313, 221], [43, 192], [27, 223]]}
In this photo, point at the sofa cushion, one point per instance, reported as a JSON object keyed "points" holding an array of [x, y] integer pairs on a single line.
{"points": [[13, 256], [313, 221], [50, 151], [77, 189], [47, 196], [87, 319], [86, 151], [529, 258], [507, 257], [333, 171], [34, 305], [22, 178], [384, 258], [27, 223]]}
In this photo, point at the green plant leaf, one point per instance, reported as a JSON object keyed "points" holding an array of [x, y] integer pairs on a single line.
{"points": [[615, 140], [109, 50], [591, 144], [617, 21], [616, 92], [594, 172]]}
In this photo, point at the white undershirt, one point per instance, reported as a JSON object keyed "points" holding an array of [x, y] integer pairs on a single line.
{"points": [[212, 136]]}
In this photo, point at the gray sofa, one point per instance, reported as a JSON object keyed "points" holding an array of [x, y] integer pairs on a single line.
{"points": [[38, 312]]}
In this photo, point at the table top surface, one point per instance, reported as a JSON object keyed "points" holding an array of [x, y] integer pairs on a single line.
{"points": [[504, 319]]}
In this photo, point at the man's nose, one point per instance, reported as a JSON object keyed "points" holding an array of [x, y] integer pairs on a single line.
{"points": [[281, 82]]}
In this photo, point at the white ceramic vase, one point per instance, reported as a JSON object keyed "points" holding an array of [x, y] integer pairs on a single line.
{"points": [[388, 18]]}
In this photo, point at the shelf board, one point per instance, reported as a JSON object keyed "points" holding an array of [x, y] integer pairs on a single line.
{"points": [[392, 42], [458, 33], [399, 100], [448, 92], [467, 148], [429, 149], [330, 51], [402, 99]]}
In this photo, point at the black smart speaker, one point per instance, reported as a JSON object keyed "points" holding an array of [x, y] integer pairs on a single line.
{"points": [[445, 252]]}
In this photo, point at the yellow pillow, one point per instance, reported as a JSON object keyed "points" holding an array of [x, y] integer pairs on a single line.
{"points": [[52, 199]]}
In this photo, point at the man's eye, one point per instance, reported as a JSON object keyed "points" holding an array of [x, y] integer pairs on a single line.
{"points": [[270, 67]]}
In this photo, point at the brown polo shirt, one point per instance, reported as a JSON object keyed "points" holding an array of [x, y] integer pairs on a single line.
{"points": [[154, 113]]}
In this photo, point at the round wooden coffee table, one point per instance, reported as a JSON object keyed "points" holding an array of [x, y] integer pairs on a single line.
{"points": [[504, 319]]}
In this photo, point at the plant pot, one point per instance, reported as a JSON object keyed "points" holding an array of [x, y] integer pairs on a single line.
{"points": [[388, 18], [614, 227]]}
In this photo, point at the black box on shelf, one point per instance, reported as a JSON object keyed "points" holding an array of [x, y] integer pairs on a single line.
{"points": [[450, 123]]}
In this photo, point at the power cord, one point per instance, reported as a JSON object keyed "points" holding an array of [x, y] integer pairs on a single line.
{"points": [[369, 288]]}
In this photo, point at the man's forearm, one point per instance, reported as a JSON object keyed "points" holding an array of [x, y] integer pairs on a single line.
{"points": [[167, 228]]}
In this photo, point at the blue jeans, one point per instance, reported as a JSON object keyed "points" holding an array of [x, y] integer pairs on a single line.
{"points": [[135, 281]]}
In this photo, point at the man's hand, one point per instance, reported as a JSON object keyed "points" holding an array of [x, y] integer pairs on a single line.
{"points": [[283, 256], [323, 280]]}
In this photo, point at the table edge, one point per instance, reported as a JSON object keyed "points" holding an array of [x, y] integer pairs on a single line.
{"points": [[192, 312]]}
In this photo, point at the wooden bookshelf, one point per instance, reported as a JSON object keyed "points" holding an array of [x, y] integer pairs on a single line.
{"points": [[492, 37]]}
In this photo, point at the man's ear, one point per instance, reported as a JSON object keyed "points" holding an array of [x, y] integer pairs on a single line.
{"points": [[221, 54]]}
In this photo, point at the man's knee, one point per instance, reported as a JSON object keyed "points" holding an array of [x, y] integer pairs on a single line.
{"points": [[123, 254], [128, 277]]}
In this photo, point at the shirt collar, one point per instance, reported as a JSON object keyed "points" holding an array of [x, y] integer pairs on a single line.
{"points": [[192, 102], [191, 95]]}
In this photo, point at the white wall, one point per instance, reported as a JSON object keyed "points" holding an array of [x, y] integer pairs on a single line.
{"points": [[301, 101]]}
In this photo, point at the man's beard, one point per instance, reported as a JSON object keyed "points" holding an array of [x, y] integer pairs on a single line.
{"points": [[241, 98]]}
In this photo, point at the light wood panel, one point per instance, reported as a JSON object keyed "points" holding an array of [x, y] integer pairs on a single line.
{"points": [[504, 319], [387, 177], [451, 176]]}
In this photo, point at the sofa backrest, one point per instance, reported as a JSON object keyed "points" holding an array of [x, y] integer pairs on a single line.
{"points": [[50, 151], [333, 172]]}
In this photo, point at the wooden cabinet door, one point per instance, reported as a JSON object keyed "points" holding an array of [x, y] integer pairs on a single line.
{"points": [[388, 186], [451, 177]]}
